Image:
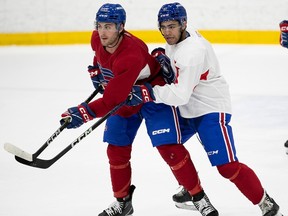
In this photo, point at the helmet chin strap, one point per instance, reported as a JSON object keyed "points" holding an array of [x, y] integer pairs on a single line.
{"points": [[181, 36], [119, 36]]}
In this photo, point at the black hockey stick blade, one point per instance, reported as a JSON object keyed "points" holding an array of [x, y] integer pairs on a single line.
{"points": [[44, 164], [35, 163]]}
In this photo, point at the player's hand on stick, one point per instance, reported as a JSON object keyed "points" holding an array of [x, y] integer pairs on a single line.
{"points": [[140, 94], [164, 61], [77, 115], [284, 33], [97, 77]]}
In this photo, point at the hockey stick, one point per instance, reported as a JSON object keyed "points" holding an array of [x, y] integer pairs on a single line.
{"points": [[44, 164], [30, 157]]}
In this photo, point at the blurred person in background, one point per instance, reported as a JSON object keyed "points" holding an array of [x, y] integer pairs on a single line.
{"points": [[284, 33]]}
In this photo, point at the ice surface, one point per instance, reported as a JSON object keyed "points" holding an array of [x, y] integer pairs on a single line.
{"points": [[38, 83]]}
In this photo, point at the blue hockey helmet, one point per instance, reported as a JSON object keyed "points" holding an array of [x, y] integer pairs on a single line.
{"points": [[112, 13], [172, 11]]}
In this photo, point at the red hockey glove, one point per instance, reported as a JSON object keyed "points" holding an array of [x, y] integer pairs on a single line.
{"points": [[78, 115], [140, 94], [284, 33]]}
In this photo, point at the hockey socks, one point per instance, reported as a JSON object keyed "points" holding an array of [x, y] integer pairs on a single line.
{"points": [[120, 169], [244, 178], [181, 165]]}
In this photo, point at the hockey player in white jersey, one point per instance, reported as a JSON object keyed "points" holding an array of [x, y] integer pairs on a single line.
{"points": [[202, 95]]}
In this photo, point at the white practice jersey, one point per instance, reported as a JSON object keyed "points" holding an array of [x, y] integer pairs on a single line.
{"points": [[200, 88]]}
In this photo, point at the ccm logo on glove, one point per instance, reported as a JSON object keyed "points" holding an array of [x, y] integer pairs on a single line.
{"points": [[84, 114], [146, 95]]}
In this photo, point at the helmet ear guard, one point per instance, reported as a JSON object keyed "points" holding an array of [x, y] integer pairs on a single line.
{"points": [[183, 25], [120, 27]]}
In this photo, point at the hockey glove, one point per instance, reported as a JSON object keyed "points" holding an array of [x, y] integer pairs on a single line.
{"points": [[97, 77], [164, 61], [284, 33], [140, 94], [78, 115]]}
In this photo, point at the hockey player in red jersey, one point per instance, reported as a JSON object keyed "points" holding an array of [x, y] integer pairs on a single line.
{"points": [[122, 60], [203, 98]]}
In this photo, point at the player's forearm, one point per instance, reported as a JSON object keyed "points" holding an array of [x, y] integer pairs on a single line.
{"points": [[173, 95]]}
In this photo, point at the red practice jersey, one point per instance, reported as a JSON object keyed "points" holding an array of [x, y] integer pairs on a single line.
{"points": [[130, 64]]}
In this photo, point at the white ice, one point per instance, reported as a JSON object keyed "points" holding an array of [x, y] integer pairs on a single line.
{"points": [[38, 83]]}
